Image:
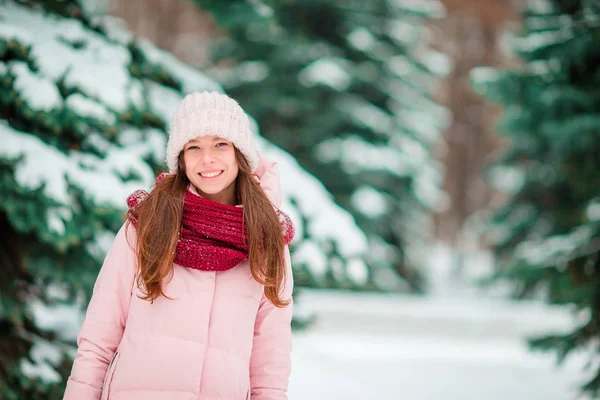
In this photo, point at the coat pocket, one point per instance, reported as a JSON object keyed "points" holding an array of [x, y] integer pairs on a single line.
{"points": [[109, 375]]}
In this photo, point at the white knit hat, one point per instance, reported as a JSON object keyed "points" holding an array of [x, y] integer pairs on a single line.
{"points": [[210, 114]]}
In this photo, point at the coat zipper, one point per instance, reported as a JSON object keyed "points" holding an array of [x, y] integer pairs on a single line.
{"points": [[108, 376]]}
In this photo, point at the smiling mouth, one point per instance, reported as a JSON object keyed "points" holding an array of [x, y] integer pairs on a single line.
{"points": [[210, 175]]}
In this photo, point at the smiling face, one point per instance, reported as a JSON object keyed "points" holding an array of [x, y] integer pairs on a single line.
{"points": [[212, 167]]}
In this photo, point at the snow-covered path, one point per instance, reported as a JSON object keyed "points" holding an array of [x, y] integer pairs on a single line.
{"points": [[367, 346]]}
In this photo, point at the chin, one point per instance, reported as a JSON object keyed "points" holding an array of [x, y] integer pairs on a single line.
{"points": [[210, 191]]}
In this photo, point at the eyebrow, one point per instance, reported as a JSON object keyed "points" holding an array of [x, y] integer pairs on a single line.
{"points": [[215, 139]]}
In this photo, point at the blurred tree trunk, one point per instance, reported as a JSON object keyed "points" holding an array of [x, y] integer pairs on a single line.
{"points": [[471, 35], [177, 26]]}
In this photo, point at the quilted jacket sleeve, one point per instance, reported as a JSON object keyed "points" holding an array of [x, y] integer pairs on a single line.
{"points": [[105, 318]]}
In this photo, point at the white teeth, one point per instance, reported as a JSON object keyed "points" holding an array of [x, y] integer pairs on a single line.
{"points": [[211, 174]]}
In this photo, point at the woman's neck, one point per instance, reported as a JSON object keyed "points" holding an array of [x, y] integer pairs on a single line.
{"points": [[226, 196]]}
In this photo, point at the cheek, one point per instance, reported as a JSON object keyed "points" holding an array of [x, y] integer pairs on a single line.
{"points": [[230, 159], [189, 163], [234, 164], [235, 170]]}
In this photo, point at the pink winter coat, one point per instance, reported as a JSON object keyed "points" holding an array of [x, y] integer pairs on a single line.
{"points": [[220, 339]]}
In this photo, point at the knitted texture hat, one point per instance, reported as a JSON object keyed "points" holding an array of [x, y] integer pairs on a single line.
{"points": [[210, 114]]}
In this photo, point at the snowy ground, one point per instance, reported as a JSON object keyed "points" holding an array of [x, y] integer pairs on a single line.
{"points": [[367, 346]]}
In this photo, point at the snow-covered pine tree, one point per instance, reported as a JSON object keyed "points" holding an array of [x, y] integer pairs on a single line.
{"points": [[547, 236], [345, 86], [84, 110]]}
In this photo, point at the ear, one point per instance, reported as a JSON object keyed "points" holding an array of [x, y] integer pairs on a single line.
{"points": [[267, 175]]}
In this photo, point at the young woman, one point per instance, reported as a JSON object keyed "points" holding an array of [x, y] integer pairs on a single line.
{"points": [[193, 301]]}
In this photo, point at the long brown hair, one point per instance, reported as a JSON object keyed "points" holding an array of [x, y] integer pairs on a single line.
{"points": [[159, 220]]}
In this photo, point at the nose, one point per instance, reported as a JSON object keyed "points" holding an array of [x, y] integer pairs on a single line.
{"points": [[207, 156]]}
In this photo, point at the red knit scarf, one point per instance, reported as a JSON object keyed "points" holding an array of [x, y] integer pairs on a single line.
{"points": [[213, 236]]}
